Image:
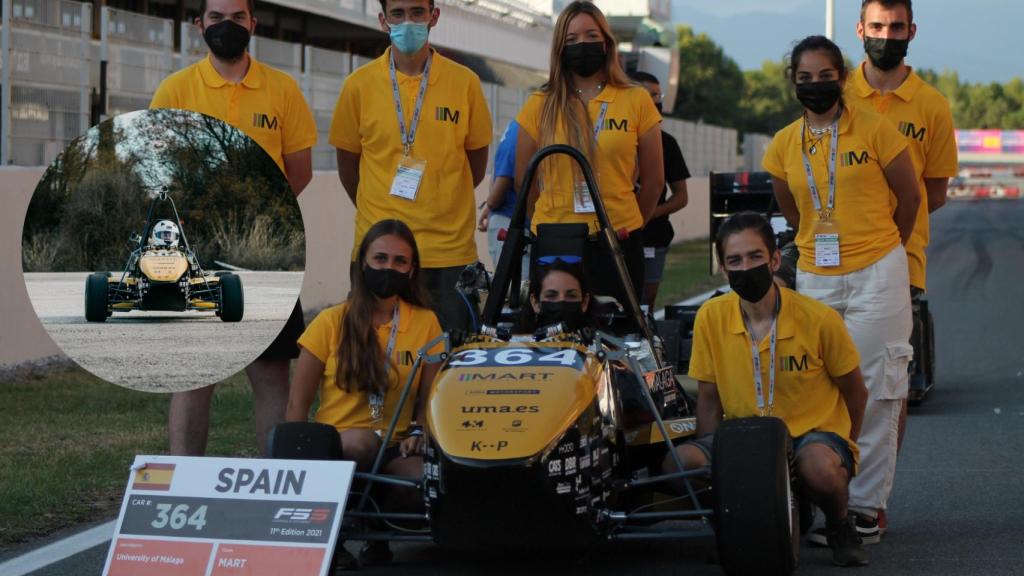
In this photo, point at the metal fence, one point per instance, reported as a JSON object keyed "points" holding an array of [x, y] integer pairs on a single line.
{"points": [[54, 68], [705, 147], [754, 146], [325, 72], [46, 92], [139, 54]]}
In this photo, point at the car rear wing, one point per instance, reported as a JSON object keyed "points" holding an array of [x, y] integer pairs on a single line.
{"points": [[734, 192]]}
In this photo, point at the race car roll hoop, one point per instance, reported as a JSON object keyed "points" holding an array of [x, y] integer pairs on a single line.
{"points": [[163, 277], [555, 439]]}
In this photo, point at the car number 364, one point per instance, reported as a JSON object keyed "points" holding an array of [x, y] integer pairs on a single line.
{"points": [[515, 357], [177, 517]]}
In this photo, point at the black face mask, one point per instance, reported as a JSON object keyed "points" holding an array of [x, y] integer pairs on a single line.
{"points": [[226, 39], [584, 58], [819, 97], [658, 106], [751, 284], [885, 53], [570, 314], [385, 282]]}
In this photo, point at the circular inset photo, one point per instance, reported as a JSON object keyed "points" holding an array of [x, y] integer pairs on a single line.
{"points": [[163, 250]]}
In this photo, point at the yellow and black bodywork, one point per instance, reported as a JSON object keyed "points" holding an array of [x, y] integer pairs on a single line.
{"points": [[531, 441], [163, 279], [556, 439]]}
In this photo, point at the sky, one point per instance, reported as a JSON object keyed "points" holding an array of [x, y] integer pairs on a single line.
{"points": [[979, 39]]}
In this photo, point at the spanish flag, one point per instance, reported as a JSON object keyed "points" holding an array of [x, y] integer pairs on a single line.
{"points": [[153, 477]]}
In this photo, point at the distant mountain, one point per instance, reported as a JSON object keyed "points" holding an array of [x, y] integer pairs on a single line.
{"points": [[981, 43], [753, 37]]}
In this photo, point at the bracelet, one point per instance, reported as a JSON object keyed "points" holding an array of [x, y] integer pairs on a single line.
{"points": [[415, 431]]}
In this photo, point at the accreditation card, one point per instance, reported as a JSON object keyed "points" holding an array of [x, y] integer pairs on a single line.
{"points": [[408, 177]]}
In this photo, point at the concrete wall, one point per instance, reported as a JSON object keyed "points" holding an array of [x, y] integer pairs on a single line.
{"points": [[327, 213]]}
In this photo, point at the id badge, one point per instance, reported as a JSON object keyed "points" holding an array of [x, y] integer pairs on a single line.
{"points": [[408, 177], [582, 202], [648, 252], [826, 250]]}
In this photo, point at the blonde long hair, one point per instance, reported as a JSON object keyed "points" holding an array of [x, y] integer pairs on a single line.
{"points": [[561, 104]]}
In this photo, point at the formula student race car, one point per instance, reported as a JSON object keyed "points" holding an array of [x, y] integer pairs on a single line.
{"points": [[733, 192], [554, 439], [163, 273]]}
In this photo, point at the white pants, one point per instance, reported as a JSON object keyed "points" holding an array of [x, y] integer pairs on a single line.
{"points": [[875, 304]]}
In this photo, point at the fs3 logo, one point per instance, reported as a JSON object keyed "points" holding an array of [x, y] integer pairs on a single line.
{"points": [[302, 515]]}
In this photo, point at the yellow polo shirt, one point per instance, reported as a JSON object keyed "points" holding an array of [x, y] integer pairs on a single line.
{"points": [[345, 410], [863, 211], [454, 119], [266, 105], [631, 113], [812, 347], [923, 116]]}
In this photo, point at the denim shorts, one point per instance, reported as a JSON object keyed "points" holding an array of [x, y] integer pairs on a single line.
{"points": [[654, 267], [830, 439]]}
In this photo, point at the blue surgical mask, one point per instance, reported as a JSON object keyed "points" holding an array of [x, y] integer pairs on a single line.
{"points": [[409, 37]]}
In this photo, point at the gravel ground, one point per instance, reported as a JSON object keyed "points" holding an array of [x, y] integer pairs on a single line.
{"points": [[163, 351]]}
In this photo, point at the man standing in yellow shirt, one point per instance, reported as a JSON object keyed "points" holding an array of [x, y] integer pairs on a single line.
{"points": [[765, 350], [267, 105], [885, 84], [412, 131]]}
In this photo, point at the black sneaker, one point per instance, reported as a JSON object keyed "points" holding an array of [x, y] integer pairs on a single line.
{"points": [[847, 549], [375, 553], [867, 527]]}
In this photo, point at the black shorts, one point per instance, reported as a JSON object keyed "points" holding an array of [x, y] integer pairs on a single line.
{"points": [[830, 439], [285, 346]]}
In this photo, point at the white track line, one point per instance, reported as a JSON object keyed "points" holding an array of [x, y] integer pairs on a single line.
{"points": [[57, 551]]}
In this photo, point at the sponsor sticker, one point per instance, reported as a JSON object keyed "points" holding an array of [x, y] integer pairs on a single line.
{"points": [[555, 467], [570, 465]]}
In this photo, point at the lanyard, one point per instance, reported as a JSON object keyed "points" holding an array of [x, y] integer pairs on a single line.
{"points": [[815, 194], [755, 356], [377, 396], [600, 120], [409, 137]]}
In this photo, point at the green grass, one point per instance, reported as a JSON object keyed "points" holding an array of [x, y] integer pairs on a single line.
{"points": [[686, 273], [69, 438]]}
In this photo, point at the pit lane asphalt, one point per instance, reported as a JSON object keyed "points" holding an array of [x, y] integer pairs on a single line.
{"points": [[958, 504], [163, 351]]}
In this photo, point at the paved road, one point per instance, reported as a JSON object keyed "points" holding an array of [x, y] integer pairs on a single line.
{"points": [[958, 506], [163, 351]]}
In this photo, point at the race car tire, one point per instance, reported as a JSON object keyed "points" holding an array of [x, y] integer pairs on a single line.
{"points": [[232, 300], [304, 441], [757, 520], [96, 297]]}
